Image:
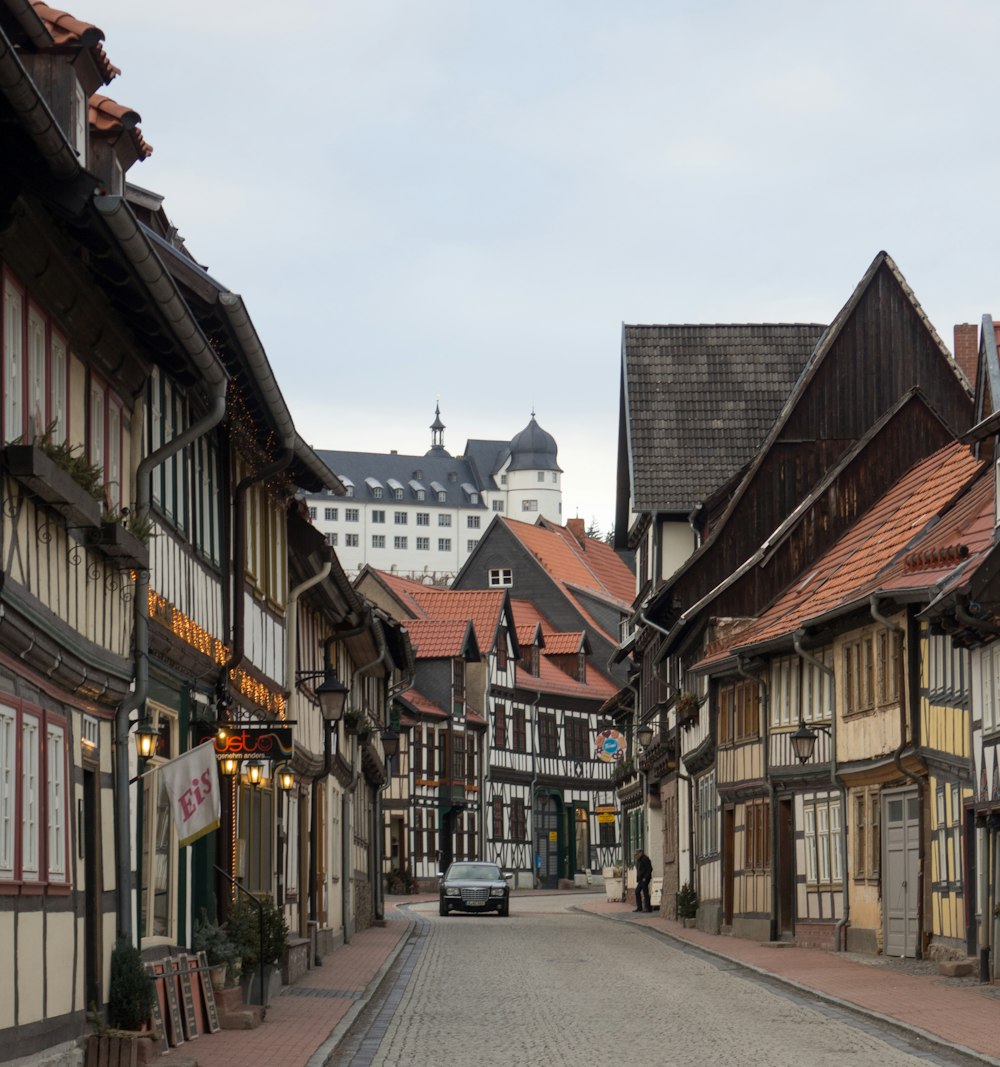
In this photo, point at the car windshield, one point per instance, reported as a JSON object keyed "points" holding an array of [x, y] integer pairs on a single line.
{"points": [[479, 871]]}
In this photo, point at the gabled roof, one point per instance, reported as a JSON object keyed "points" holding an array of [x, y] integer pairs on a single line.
{"points": [[551, 680], [566, 644], [485, 608], [597, 572], [443, 639], [871, 558], [697, 401]]}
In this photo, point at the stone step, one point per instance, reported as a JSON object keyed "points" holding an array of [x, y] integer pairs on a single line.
{"points": [[958, 968], [249, 1017]]}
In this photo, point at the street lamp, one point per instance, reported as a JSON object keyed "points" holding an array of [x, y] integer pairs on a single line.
{"points": [[255, 773], [804, 740], [645, 735], [146, 738], [390, 742], [331, 693], [229, 767], [286, 777]]}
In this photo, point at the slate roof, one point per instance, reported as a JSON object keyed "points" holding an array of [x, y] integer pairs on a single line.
{"points": [[487, 457], [449, 471], [872, 556], [699, 401]]}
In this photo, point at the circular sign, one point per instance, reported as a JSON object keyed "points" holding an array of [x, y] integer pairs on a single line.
{"points": [[610, 745]]}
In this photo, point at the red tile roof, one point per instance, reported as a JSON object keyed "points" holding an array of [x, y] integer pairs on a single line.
{"points": [[564, 644], [423, 704], [598, 571], [437, 638], [483, 607], [108, 118], [70, 32], [871, 556]]}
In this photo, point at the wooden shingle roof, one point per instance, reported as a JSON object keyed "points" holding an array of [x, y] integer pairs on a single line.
{"points": [[699, 400]]}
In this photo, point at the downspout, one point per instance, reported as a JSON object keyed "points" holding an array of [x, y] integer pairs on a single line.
{"points": [[163, 289], [911, 650], [291, 643], [348, 794], [534, 786], [772, 811], [843, 922], [314, 827], [137, 698]]}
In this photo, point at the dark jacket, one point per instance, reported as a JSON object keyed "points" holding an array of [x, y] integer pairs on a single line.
{"points": [[643, 869]]}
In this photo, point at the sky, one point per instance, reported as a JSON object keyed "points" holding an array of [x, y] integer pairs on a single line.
{"points": [[461, 202]]}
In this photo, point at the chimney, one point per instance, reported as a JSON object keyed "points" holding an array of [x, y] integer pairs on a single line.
{"points": [[578, 529], [967, 350]]}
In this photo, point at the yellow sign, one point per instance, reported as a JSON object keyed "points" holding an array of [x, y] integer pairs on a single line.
{"points": [[605, 818], [553, 835]]}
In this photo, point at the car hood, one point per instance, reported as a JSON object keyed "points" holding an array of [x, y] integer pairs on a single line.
{"points": [[473, 883]]}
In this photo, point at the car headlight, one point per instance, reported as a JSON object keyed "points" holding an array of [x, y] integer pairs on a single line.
{"points": [[450, 892], [497, 891]]}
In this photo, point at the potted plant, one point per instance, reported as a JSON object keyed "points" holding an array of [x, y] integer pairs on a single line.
{"points": [[60, 475], [222, 954], [261, 936], [686, 709], [131, 995], [687, 905]]}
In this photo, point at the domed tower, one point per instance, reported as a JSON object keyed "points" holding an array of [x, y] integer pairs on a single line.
{"points": [[533, 475]]}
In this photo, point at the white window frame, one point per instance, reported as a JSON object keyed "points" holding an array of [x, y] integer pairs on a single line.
{"points": [[501, 577], [55, 754], [37, 377], [31, 799], [8, 789], [13, 360]]}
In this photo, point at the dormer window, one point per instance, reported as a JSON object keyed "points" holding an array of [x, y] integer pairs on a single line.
{"points": [[396, 488], [501, 577], [80, 124], [375, 487], [347, 483]]}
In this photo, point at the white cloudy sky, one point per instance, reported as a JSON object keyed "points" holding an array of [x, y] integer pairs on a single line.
{"points": [[455, 198]]}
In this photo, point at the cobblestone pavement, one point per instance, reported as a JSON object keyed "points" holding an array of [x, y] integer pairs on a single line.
{"points": [[553, 986]]}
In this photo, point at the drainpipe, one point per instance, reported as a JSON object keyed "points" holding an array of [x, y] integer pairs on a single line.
{"points": [[163, 289], [911, 679], [137, 698], [534, 784], [840, 930], [291, 642], [348, 794], [314, 827], [765, 719]]}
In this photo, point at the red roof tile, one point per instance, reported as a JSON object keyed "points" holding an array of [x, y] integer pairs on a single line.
{"points": [[483, 607], [69, 32], [597, 572], [423, 704], [564, 644], [108, 118], [871, 556], [437, 638]]}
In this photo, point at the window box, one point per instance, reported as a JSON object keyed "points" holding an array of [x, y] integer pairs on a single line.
{"points": [[39, 473], [117, 543]]}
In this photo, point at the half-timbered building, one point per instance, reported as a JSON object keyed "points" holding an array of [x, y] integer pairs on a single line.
{"points": [[912, 395]]}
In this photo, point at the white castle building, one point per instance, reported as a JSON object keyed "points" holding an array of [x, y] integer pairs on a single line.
{"points": [[421, 516]]}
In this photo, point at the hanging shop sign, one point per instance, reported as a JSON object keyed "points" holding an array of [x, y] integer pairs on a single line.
{"points": [[610, 745], [255, 742]]}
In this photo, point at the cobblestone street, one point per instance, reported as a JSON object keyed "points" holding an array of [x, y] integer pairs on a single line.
{"points": [[557, 987]]}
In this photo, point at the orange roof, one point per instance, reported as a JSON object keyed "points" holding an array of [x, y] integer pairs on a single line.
{"points": [[564, 644], [423, 704], [109, 118], [438, 638], [70, 32], [597, 572], [482, 606], [862, 562], [550, 679]]}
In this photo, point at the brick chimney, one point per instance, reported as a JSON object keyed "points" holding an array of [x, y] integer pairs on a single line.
{"points": [[578, 529], [967, 350]]}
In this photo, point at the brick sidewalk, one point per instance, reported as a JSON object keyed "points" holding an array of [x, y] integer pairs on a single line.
{"points": [[307, 1019]]}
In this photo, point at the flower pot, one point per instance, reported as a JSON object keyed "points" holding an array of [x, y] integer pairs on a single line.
{"points": [[217, 973], [119, 544], [47, 481], [119, 1049]]}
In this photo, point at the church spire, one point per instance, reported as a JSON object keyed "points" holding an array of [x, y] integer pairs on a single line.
{"points": [[437, 429]]}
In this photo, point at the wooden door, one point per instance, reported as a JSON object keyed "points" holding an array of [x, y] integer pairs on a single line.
{"points": [[786, 868], [900, 883]]}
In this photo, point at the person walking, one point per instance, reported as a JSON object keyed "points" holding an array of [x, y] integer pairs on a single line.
{"points": [[643, 874]]}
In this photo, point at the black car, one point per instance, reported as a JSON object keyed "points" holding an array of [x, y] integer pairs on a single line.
{"points": [[468, 886]]}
